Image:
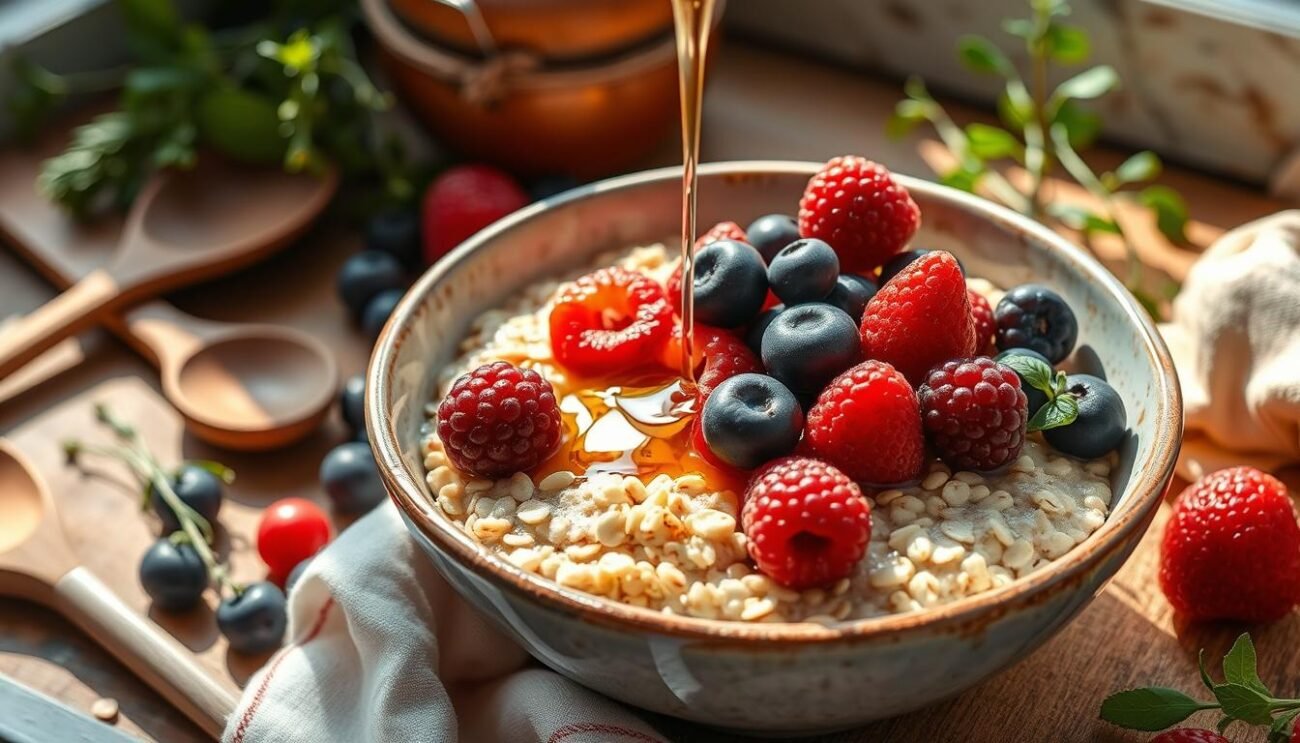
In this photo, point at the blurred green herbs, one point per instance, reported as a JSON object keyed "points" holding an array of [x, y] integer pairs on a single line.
{"points": [[1043, 128], [285, 87]]}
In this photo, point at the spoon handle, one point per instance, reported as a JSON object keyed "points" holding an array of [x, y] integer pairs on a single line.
{"points": [[142, 646], [66, 314]]}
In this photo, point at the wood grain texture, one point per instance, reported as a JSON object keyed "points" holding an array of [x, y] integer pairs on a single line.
{"points": [[760, 104]]}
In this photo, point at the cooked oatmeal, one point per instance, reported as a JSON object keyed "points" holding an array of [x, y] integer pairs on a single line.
{"points": [[674, 544]]}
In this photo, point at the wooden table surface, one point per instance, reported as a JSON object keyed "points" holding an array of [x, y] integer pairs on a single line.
{"points": [[761, 105]]}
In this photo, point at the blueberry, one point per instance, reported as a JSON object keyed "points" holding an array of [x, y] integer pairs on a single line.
{"points": [[351, 479], [768, 234], [730, 284], [365, 275], [377, 311], [1035, 317], [903, 260], [754, 338], [352, 403], [254, 621], [397, 233], [806, 346], [750, 419], [173, 575], [1037, 398], [851, 294], [803, 271], [1102, 420], [552, 185], [197, 488], [295, 575]]}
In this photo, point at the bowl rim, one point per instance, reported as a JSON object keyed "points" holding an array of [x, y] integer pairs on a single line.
{"points": [[1148, 480]]}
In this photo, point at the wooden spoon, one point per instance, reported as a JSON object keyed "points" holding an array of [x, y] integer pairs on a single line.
{"points": [[36, 563], [184, 226]]}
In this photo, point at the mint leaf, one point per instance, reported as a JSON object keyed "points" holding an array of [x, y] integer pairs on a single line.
{"points": [[1152, 708], [1060, 411], [1170, 211], [1280, 731], [1239, 665], [1067, 44], [980, 55], [1033, 371], [1081, 125], [991, 143], [1245, 703]]}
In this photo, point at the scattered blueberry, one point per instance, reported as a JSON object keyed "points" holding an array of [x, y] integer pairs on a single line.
{"points": [[552, 185], [754, 338], [851, 294], [1037, 398], [396, 232], [295, 575], [197, 488], [1035, 317], [807, 345], [352, 404], [730, 284], [803, 271], [1102, 420], [377, 311], [903, 260], [770, 233], [351, 479], [750, 419], [254, 621], [365, 275], [173, 575]]}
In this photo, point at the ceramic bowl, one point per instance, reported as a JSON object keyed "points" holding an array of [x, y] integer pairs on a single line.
{"points": [[786, 678]]}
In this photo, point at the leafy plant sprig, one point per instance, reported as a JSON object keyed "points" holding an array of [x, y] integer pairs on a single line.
{"points": [[1062, 406], [1241, 696], [195, 529], [1046, 127]]}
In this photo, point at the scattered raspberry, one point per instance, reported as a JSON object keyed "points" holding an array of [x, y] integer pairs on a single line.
{"points": [[720, 231], [464, 200], [498, 420], [974, 413], [1231, 549], [807, 522], [855, 205], [867, 423], [1189, 735], [982, 316], [920, 318], [719, 356], [609, 321]]}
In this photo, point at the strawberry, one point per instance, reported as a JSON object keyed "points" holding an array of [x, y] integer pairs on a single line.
{"points": [[920, 318], [867, 422], [463, 200], [856, 205]]}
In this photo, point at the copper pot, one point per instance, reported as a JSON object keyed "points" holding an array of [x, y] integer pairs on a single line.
{"points": [[517, 109], [553, 29]]}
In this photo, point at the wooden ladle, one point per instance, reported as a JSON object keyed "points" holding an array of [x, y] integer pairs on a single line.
{"points": [[36, 563], [183, 227]]}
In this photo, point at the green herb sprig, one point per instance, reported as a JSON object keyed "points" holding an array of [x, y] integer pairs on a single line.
{"points": [[1045, 127], [1242, 696], [1062, 406]]}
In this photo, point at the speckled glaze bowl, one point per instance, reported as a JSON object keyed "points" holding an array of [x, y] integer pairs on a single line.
{"points": [[770, 678]]}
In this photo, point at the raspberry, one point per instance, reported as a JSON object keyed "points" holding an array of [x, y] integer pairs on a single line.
{"points": [[609, 321], [974, 413], [806, 522], [1189, 735], [720, 231], [855, 205], [464, 200], [719, 356], [920, 318], [981, 313], [498, 420], [1231, 549], [867, 423]]}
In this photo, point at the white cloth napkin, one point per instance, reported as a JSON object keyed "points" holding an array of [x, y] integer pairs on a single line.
{"points": [[381, 649], [1235, 339]]}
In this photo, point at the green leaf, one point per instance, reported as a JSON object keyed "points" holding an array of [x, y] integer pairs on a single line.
{"points": [[1019, 27], [991, 143], [907, 114], [1244, 703], [1170, 211], [156, 18], [1205, 675], [226, 474], [1081, 125], [1280, 731], [1067, 44], [1091, 83], [1239, 665], [241, 124], [1079, 218], [1014, 114], [1034, 372], [981, 55], [914, 87], [1152, 708], [962, 178], [1059, 411], [1142, 166], [146, 81]]}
